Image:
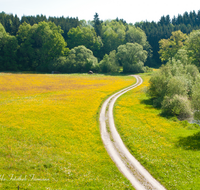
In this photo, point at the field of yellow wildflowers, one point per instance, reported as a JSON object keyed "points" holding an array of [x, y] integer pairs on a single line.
{"points": [[49, 132], [168, 148]]}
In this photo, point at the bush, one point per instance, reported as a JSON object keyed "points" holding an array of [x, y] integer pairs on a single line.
{"points": [[196, 95], [192, 70], [177, 85], [174, 85], [158, 87], [148, 69], [182, 56], [177, 105]]}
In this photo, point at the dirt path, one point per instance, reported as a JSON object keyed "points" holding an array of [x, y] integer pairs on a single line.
{"points": [[126, 163]]}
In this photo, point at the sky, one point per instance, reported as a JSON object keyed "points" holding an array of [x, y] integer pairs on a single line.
{"points": [[131, 11]]}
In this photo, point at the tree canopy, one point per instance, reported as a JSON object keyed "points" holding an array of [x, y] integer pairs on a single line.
{"points": [[79, 60], [84, 36], [97, 25], [169, 47], [8, 51], [39, 44], [193, 47], [132, 57], [109, 63], [101, 37]]}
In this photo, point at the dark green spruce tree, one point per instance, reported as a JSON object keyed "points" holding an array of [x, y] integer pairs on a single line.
{"points": [[97, 25]]}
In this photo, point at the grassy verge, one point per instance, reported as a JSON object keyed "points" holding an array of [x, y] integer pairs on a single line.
{"points": [[49, 132], [169, 149]]}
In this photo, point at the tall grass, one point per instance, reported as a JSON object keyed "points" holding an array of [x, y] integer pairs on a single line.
{"points": [[168, 148], [49, 132]]}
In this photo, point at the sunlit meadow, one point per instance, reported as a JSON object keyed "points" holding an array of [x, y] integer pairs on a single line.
{"points": [[49, 132], [168, 148]]}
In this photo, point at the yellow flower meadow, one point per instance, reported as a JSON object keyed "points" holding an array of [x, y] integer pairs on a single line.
{"points": [[49, 132]]}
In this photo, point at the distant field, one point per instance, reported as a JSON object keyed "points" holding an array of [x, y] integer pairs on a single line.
{"points": [[49, 132], [168, 148]]}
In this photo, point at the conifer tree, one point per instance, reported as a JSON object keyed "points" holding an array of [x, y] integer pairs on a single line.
{"points": [[97, 25]]}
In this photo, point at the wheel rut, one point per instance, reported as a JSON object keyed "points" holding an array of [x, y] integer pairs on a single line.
{"points": [[139, 177]]}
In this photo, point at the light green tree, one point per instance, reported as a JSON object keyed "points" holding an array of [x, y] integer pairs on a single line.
{"points": [[109, 64], [182, 56], [85, 36], [169, 47], [136, 35], [132, 57], [80, 59], [113, 35], [193, 47]]}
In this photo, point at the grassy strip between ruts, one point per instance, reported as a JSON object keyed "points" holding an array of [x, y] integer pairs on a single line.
{"points": [[167, 148], [49, 132]]}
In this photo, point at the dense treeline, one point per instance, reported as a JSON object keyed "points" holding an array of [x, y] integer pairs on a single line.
{"points": [[40, 44], [11, 23], [23, 39], [163, 29]]}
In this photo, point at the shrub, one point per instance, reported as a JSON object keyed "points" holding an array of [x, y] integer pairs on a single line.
{"points": [[158, 87], [177, 105], [196, 95], [173, 83], [177, 85], [192, 70], [182, 56], [148, 69]]}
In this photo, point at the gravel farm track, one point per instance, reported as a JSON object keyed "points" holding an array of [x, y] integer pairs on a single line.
{"points": [[139, 177]]}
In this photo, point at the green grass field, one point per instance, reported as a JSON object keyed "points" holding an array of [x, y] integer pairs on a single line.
{"points": [[168, 148], [49, 132]]}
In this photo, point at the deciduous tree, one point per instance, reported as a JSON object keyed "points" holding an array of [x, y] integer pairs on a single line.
{"points": [[8, 51], [132, 57], [109, 64], [84, 36], [39, 45], [169, 47], [136, 35], [80, 59], [113, 35], [193, 47]]}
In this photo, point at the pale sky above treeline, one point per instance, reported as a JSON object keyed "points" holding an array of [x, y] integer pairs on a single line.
{"points": [[130, 10]]}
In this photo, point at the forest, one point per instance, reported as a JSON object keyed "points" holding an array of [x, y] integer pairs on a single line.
{"points": [[68, 45]]}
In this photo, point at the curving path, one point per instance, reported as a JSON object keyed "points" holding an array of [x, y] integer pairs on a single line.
{"points": [[126, 163]]}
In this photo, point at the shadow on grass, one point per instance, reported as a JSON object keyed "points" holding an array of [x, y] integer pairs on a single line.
{"points": [[190, 142], [148, 102]]}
